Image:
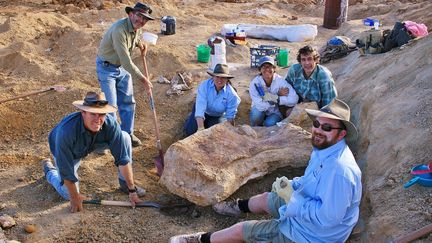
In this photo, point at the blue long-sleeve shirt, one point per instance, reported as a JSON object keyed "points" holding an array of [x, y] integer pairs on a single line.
{"points": [[213, 103], [69, 141], [319, 87], [324, 206]]}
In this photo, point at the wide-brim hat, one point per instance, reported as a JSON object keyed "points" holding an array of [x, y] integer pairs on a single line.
{"points": [[95, 103], [142, 9], [337, 110], [220, 70]]}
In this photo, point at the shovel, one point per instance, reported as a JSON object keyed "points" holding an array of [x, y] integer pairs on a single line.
{"points": [[158, 161], [52, 88]]}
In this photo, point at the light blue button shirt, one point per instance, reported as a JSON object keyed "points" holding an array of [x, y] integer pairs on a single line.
{"points": [[213, 103], [324, 206]]}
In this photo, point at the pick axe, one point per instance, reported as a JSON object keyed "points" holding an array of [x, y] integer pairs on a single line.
{"points": [[142, 204], [52, 88]]}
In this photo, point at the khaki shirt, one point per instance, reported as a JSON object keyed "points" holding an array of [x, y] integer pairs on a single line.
{"points": [[117, 44]]}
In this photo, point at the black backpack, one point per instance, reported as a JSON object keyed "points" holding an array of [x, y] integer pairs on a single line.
{"points": [[397, 37]]}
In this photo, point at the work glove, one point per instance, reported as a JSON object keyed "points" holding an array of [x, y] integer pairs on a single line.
{"points": [[282, 186], [271, 98]]}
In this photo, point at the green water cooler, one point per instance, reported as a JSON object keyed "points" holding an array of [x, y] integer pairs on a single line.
{"points": [[282, 58]]}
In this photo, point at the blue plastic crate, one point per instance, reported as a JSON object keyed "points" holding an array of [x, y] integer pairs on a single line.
{"points": [[262, 50]]}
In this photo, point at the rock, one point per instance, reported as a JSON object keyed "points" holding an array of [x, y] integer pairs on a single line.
{"points": [[299, 116], [2, 236], [209, 166], [30, 228], [6, 221], [2, 206]]}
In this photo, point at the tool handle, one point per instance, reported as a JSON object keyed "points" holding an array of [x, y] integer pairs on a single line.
{"points": [[122, 203], [414, 235], [152, 105], [25, 95], [411, 182]]}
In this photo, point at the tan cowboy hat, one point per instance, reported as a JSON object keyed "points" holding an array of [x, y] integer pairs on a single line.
{"points": [[338, 110], [95, 103], [142, 9], [220, 70]]}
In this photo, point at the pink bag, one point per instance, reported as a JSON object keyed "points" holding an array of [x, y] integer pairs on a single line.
{"points": [[415, 29]]}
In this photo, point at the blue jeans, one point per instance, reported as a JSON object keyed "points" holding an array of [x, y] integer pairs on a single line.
{"points": [[191, 126], [259, 118], [53, 176], [117, 85]]}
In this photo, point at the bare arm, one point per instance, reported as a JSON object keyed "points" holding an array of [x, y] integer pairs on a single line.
{"points": [[75, 198], [127, 173]]}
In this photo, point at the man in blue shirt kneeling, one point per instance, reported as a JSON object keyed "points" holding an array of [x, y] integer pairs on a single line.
{"points": [[320, 206], [77, 135]]}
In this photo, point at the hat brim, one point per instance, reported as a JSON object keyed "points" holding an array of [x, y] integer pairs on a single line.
{"points": [[128, 9], [352, 133], [99, 110], [222, 75]]}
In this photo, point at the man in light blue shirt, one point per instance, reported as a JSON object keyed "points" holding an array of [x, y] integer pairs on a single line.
{"points": [[320, 206], [216, 101]]}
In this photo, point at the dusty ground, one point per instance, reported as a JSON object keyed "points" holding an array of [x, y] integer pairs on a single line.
{"points": [[47, 42]]}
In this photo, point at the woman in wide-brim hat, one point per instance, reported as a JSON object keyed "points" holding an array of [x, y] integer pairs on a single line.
{"points": [[216, 101]]}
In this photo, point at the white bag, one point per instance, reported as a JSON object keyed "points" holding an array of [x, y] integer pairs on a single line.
{"points": [[291, 33]]}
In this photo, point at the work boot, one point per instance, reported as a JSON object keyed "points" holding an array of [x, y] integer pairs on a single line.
{"points": [[191, 238], [47, 166], [135, 141], [124, 188], [228, 208]]}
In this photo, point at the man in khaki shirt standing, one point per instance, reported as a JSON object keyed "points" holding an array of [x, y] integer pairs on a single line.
{"points": [[115, 68]]}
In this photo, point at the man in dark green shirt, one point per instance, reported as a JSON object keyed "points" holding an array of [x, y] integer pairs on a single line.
{"points": [[115, 68]]}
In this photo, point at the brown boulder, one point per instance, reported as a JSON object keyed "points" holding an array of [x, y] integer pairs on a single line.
{"points": [[209, 166]]}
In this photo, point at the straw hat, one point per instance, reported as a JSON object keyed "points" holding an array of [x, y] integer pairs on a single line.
{"points": [[95, 103], [220, 70], [338, 110], [142, 9]]}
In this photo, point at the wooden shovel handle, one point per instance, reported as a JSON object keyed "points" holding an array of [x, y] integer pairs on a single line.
{"points": [[414, 235], [152, 105]]}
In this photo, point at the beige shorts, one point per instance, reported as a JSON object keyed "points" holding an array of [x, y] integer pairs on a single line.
{"points": [[266, 230]]}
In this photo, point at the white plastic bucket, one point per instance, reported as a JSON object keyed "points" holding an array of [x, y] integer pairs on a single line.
{"points": [[216, 59], [149, 37]]}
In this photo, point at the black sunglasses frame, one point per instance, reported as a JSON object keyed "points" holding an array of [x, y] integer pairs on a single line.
{"points": [[95, 103], [325, 127]]}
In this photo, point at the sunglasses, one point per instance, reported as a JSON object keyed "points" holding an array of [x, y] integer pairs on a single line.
{"points": [[325, 127], [95, 103]]}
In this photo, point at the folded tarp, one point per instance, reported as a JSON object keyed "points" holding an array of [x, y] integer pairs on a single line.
{"points": [[291, 33]]}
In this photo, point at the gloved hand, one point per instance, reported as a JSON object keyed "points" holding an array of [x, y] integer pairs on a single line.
{"points": [[271, 98], [200, 129], [282, 186]]}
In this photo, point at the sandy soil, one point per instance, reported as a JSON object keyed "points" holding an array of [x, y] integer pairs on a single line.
{"points": [[54, 42]]}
